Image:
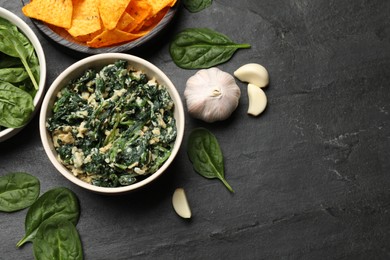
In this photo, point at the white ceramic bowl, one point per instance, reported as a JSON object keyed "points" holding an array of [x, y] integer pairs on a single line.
{"points": [[97, 62], [23, 27]]}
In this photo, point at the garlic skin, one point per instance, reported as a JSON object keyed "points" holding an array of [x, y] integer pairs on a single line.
{"points": [[211, 95]]}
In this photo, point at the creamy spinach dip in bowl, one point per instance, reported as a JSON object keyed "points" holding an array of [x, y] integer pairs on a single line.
{"points": [[112, 123]]}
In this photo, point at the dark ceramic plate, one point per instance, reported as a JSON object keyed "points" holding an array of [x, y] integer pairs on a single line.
{"points": [[64, 39]]}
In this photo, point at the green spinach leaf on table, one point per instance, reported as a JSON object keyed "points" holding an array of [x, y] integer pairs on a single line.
{"points": [[206, 155], [196, 48], [57, 238], [195, 6], [18, 191], [55, 203]]}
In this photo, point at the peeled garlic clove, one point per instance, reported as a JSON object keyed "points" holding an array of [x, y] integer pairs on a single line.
{"points": [[180, 203], [211, 95], [253, 73], [257, 100]]}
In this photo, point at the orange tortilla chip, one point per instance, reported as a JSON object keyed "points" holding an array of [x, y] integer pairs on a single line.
{"points": [[125, 21], [88, 37], [111, 11], [112, 37], [140, 10], [85, 19], [64, 33], [55, 12], [157, 6], [153, 21]]}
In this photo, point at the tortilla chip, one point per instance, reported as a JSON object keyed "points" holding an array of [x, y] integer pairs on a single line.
{"points": [[87, 37], [140, 10], [55, 12], [153, 21], [112, 37], [86, 18], [157, 6], [111, 11], [125, 21]]}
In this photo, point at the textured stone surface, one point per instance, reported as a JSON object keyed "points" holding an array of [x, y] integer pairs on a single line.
{"points": [[311, 174]]}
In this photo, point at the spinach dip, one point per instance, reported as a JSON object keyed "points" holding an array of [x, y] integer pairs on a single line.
{"points": [[113, 127]]}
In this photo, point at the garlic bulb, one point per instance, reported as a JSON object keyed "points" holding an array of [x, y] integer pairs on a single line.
{"points": [[211, 95]]}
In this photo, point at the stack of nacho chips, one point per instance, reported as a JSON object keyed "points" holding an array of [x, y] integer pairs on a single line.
{"points": [[100, 23]]}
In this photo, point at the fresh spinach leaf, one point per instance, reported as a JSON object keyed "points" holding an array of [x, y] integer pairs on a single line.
{"points": [[13, 75], [195, 6], [206, 155], [57, 238], [7, 24], [18, 191], [16, 44], [16, 106], [9, 62], [55, 203], [202, 48]]}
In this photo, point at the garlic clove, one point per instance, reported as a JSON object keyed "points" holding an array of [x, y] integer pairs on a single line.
{"points": [[253, 73], [180, 203], [257, 100]]}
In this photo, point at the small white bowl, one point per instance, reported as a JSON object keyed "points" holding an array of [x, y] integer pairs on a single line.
{"points": [[23, 27], [97, 62]]}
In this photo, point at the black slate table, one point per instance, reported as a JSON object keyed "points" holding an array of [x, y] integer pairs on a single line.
{"points": [[311, 174]]}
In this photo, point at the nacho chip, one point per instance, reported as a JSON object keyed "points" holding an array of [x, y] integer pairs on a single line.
{"points": [[85, 19], [55, 12], [153, 21], [140, 10], [88, 37], [157, 6], [63, 33], [125, 21], [112, 37], [111, 11]]}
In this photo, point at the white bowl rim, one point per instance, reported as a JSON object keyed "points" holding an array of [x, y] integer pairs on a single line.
{"points": [[22, 25], [54, 87]]}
